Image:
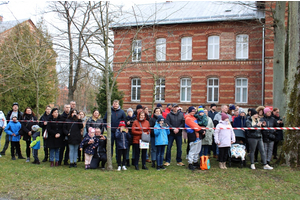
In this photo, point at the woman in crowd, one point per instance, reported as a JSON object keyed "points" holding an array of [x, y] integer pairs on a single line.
{"points": [[130, 118], [207, 140], [31, 120], [55, 136], [279, 134], [95, 121], [157, 112], [255, 139], [72, 129], [83, 134], [138, 127], [45, 117]]}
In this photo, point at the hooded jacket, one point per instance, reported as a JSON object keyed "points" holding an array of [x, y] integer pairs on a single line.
{"points": [[116, 116], [224, 136], [20, 114], [26, 126], [137, 130], [239, 121], [191, 122], [122, 139], [175, 120], [161, 135], [53, 128], [13, 127], [253, 133], [35, 140], [208, 133], [166, 112], [270, 122]]}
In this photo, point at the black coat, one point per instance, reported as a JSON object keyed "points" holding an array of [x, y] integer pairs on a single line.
{"points": [[270, 122], [101, 149], [175, 120], [72, 129], [122, 139], [131, 120], [26, 126], [252, 133], [279, 135], [95, 124], [20, 114], [45, 117], [152, 123], [53, 128]]}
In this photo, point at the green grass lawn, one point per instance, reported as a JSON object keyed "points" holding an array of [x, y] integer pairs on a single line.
{"points": [[21, 180]]}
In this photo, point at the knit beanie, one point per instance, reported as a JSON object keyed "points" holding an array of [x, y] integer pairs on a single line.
{"points": [[122, 123], [35, 128], [169, 104], [231, 107], [224, 116], [139, 106], [200, 110], [15, 103], [160, 118], [267, 110], [129, 110], [241, 110], [253, 112], [191, 109], [159, 105]]}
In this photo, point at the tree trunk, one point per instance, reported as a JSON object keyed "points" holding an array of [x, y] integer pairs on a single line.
{"points": [[279, 56], [154, 92], [291, 147]]}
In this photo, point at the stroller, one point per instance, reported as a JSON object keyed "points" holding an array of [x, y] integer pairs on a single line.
{"points": [[237, 152]]}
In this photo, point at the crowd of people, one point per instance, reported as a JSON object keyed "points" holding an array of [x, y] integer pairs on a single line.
{"points": [[71, 137]]}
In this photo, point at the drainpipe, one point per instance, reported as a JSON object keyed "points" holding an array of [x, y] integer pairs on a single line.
{"points": [[263, 67]]}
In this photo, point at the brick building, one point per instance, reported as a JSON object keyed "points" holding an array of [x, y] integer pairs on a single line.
{"points": [[198, 53]]}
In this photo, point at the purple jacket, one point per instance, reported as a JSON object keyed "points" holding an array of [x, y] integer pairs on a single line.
{"points": [[224, 136]]}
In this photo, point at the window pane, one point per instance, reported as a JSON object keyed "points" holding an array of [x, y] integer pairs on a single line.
{"points": [[244, 82], [238, 95], [188, 82], [183, 82], [133, 81], [216, 82], [210, 82], [244, 95], [182, 94], [138, 93], [238, 82], [138, 81], [162, 94], [216, 94], [133, 94], [163, 81], [188, 94], [209, 94]]}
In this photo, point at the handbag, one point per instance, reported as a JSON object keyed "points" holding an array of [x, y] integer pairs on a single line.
{"points": [[271, 137], [145, 136], [45, 134], [204, 163], [144, 145]]}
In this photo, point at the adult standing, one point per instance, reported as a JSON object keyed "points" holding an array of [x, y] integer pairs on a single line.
{"points": [[167, 110], [95, 121], [83, 134], [72, 129], [279, 135], [56, 137], [139, 126], [73, 105], [43, 124], [29, 119], [269, 136], [100, 154], [65, 146], [157, 112], [3, 124], [175, 120], [117, 115], [14, 112], [207, 141], [212, 113]]}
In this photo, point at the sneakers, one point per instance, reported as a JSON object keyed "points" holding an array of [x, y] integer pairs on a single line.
{"points": [[191, 167], [0, 156], [144, 167], [119, 168], [167, 164], [158, 168], [180, 164], [28, 159], [252, 166], [124, 168], [21, 157], [2, 153], [268, 167], [162, 167], [13, 158]]}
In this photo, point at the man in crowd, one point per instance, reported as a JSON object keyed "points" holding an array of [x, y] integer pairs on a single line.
{"points": [[65, 146], [167, 110], [73, 105]]}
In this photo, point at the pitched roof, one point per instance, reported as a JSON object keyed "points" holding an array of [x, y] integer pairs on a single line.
{"points": [[6, 25], [189, 12]]}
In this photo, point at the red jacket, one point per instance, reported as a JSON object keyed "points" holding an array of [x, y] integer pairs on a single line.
{"points": [[137, 130], [166, 112]]}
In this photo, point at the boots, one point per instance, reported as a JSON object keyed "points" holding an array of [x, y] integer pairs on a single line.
{"points": [[224, 165], [191, 167], [133, 162], [56, 164], [51, 164], [153, 163], [144, 167], [221, 165], [45, 159], [127, 163]]}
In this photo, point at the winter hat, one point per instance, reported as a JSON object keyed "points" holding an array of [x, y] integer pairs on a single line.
{"points": [[191, 109], [160, 118], [139, 106], [253, 112], [169, 104], [15, 103], [231, 107], [35, 128], [241, 110], [212, 105], [175, 105], [159, 105], [266, 110], [14, 117], [200, 110], [129, 110], [122, 123], [224, 116]]}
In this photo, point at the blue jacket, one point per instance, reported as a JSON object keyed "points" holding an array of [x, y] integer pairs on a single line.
{"points": [[161, 135], [35, 140], [13, 127], [116, 116], [122, 139], [239, 121]]}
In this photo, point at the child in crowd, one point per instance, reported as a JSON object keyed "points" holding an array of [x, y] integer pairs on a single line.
{"points": [[201, 118], [90, 142], [122, 139], [35, 143], [130, 118], [12, 129], [161, 140]]}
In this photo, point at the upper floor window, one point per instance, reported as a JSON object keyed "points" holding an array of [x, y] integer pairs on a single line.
{"points": [[213, 47], [186, 48], [160, 90], [242, 46], [161, 49], [136, 50], [212, 90], [135, 89], [185, 90], [241, 90]]}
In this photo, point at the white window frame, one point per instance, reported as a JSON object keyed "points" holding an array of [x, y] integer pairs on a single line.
{"points": [[241, 88], [136, 50], [160, 86], [186, 48], [161, 49], [244, 47], [213, 43], [213, 86], [186, 87], [137, 88]]}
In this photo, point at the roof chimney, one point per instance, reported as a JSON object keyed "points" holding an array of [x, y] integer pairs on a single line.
{"points": [[1, 18]]}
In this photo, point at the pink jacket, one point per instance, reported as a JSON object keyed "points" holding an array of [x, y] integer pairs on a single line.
{"points": [[224, 136]]}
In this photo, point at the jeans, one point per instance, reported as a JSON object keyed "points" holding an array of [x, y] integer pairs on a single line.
{"points": [[195, 148], [269, 150], [35, 154], [6, 143], [73, 152], [54, 153], [256, 143], [153, 149], [178, 140], [137, 154], [62, 150], [205, 149], [160, 154], [223, 154]]}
